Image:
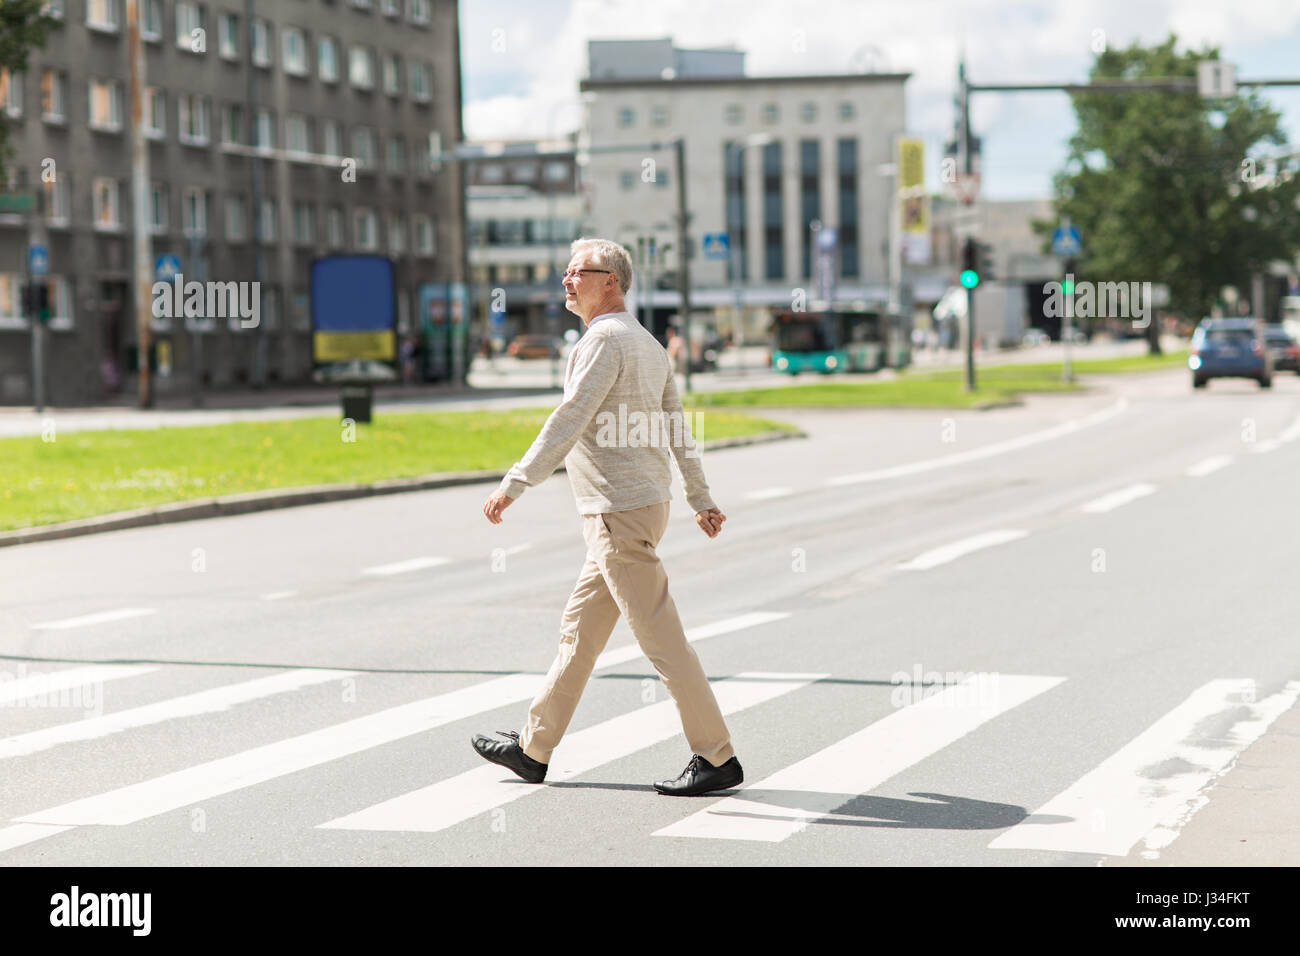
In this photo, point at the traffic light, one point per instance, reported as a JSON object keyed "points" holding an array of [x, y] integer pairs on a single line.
{"points": [[985, 259], [36, 300], [1067, 284], [970, 274]]}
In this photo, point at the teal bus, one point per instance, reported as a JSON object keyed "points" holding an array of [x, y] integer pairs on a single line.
{"points": [[828, 342]]}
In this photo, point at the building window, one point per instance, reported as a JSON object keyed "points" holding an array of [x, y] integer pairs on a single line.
{"points": [[56, 202], [361, 68], [106, 105], [236, 220], [303, 233], [626, 117], [364, 230], [396, 154], [557, 172], [846, 110], [53, 9], [770, 113], [107, 211], [11, 91], [295, 51], [773, 214], [297, 136], [265, 130], [363, 147], [54, 93], [189, 18], [391, 74], [392, 8], [151, 20], [194, 212], [808, 112], [333, 139], [261, 43], [734, 114], [158, 209], [421, 82], [102, 15], [418, 11], [228, 36], [327, 59], [397, 233], [661, 178], [270, 313], [232, 124], [194, 116], [733, 163], [659, 116], [810, 205], [266, 221], [627, 181], [334, 227], [362, 4], [155, 113], [423, 227], [848, 232]]}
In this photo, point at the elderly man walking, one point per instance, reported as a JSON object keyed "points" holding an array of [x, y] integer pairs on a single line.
{"points": [[617, 371]]}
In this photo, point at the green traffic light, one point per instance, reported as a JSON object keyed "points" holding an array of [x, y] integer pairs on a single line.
{"points": [[1067, 287], [970, 278]]}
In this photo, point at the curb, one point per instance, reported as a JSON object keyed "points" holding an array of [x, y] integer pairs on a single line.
{"points": [[249, 502]]}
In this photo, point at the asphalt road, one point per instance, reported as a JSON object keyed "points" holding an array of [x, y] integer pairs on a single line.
{"points": [[1031, 636]]}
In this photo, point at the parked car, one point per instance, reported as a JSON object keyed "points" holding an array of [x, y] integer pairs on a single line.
{"points": [[1282, 348], [1230, 348], [534, 346], [1033, 337]]}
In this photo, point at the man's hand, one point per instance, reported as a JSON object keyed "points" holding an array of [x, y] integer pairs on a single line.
{"points": [[710, 521], [498, 503]]}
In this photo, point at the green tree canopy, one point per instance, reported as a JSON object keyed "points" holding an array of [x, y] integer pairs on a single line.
{"points": [[1168, 186], [22, 28]]}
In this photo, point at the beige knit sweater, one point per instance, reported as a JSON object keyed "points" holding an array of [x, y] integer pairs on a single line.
{"points": [[620, 418]]}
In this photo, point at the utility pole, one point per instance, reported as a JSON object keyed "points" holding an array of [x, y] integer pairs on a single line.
{"points": [[683, 257], [36, 236], [142, 272], [258, 377]]}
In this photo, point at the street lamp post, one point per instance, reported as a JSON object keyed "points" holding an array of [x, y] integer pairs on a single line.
{"points": [[755, 139]]}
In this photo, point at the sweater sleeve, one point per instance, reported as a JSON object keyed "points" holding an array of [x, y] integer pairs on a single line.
{"points": [[686, 453], [596, 367]]}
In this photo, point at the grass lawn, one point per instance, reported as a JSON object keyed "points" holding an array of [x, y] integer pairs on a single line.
{"points": [[82, 474], [941, 389]]}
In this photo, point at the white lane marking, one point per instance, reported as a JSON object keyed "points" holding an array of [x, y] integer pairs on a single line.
{"points": [[99, 617], [951, 552], [630, 652], [783, 803], [1119, 497], [987, 451], [1267, 445], [148, 798], [278, 595], [1209, 465], [1291, 432], [21, 834], [190, 705], [13, 689], [763, 494], [402, 567], [1150, 787], [466, 795]]}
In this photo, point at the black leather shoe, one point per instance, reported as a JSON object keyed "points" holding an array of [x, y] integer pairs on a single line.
{"points": [[700, 776], [509, 755]]}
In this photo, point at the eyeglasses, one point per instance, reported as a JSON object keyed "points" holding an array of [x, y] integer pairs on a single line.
{"points": [[573, 272]]}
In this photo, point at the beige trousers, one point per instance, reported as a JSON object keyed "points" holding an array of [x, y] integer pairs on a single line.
{"points": [[623, 575]]}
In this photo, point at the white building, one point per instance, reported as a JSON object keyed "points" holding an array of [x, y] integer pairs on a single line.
{"points": [[766, 156]]}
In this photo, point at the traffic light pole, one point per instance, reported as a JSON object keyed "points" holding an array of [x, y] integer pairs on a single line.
{"points": [[970, 340], [36, 237]]}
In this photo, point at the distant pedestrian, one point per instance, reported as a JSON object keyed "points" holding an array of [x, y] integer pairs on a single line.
{"points": [[623, 489], [676, 349]]}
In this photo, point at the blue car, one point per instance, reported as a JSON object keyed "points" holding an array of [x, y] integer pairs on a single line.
{"points": [[1230, 348]]}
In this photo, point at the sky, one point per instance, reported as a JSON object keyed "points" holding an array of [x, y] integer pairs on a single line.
{"points": [[522, 59]]}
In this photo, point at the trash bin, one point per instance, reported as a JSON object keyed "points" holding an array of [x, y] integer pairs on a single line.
{"points": [[356, 402]]}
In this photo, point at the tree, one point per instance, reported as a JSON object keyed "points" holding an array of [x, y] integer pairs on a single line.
{"points": [[1172, 187], [23, 27]]}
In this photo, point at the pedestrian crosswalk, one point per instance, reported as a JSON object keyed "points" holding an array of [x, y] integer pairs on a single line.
{"points": [[1142, 791]]}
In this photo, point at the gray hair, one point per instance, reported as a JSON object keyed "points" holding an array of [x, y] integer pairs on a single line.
{"points": [[607, 254]]}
